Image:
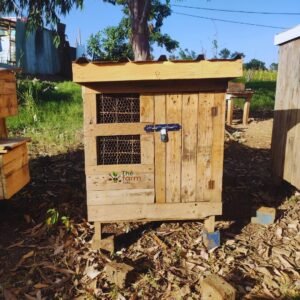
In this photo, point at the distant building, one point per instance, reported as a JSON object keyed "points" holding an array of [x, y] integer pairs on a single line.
{"points": [[34, 52]]}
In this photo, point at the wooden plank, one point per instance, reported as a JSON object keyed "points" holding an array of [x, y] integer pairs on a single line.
{"points": [[7, 87], [153, 212], [204, 147], [189, 147], [165, 86], [147, 108], [11, 143], [90, 119], [16, 181], [147, 141], [120, 181], [15, 164], [120, 197], [147, 149], [134, 71], [8, 105], [13, 154], [160, 151], [89, 108], [3, 129], [7, 75], [283, 96], [173, 151], [115, 129], [90, 151], [230, 108], [217, 154], [139, 168]]}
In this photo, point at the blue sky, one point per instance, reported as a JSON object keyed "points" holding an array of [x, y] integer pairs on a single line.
{"points": [[197, 34]]}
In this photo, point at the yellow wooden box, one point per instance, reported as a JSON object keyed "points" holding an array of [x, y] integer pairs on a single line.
{"points": [[14, 170]]}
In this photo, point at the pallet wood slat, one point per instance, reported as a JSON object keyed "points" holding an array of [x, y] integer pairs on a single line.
{"points": [[153, 212], [204, 147], [102, 182], [156, 71], [189, 147], [160, 151], [116, 129], [173, 154], [112, 197]]}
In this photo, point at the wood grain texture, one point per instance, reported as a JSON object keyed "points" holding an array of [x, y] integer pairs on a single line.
{"points": [[173, 153], [158, 87], [204, 147], [8, 105], [167, 70], [153, 212], [217, 155], [115, 129], [3, 128], [189, 147], [286, 128], [126, 196], [104, 181], [160, 151]]}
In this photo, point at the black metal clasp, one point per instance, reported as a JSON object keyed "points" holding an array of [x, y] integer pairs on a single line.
{"points": [[163, 128], [159, 127]]}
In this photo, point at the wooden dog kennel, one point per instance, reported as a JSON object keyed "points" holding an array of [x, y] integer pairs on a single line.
{"points": [[154, 138], [14, 171]]}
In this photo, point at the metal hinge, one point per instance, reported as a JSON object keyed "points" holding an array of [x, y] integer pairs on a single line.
{"points": [[214, 111], [211, 184]]}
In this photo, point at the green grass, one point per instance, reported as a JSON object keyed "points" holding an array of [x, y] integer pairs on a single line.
{"points": [[50, 113], [264, 85]]}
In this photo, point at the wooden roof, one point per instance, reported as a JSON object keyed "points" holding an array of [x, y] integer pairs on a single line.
{"points": [[91, 72]]}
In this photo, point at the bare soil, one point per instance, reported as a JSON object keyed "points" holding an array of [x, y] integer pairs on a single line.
{"points": [[40, 262]]}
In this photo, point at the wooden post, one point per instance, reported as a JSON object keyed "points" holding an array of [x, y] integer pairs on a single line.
{"points": [[229, 109], [246, 110], [209, 224]]}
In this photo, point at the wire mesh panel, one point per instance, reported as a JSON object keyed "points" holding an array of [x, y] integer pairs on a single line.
{"points": [[120, 149], [118, 108]]}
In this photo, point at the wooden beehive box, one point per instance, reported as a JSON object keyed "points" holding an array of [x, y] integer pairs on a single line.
{"points": [[132, 171], [14, 170]]}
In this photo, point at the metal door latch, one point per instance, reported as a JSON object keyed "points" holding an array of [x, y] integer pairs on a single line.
{"points": [[163, 129]]}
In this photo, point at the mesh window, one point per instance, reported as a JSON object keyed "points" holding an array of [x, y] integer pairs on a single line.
{"points": [[118, 108], [120, 149]]}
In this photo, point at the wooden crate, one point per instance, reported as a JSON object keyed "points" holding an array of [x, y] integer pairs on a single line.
{"points": [[130, 173], [8, 95], [14, 170]]}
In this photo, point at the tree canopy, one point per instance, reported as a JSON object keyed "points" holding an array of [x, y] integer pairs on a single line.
{"points": [[144, 19], [115, 42]]}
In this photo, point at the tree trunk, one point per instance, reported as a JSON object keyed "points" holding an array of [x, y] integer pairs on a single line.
{"points": [[139, 14]]}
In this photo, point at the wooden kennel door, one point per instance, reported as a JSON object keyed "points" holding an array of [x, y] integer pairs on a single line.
{"points": [[189, 166], [119, 154]]}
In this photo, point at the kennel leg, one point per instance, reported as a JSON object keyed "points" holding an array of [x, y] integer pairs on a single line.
{"points": [[99, 242], [209, 224]]}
